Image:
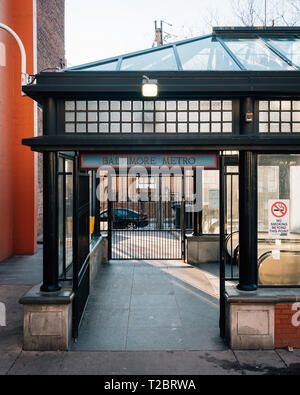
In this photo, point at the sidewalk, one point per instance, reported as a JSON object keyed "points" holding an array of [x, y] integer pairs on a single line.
{"points": [[18, 274]]}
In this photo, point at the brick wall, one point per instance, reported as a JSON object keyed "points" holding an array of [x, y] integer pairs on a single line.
{"points": [[51, 33], [50, 54], [287, 325]]}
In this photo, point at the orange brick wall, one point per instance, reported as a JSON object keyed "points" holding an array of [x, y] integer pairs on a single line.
{"points": [[286, 332], [39, 24], [18, 208]]}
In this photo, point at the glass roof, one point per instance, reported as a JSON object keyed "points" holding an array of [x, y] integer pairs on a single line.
{"points": [[253, 54], [289, 47], [231, 50], [206, 54], [163, 59]]}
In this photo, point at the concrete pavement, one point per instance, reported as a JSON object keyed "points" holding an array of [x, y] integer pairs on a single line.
{"points": [[18, 274]]}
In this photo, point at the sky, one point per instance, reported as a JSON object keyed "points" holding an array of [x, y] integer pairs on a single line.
{"points": [[99, 29]]}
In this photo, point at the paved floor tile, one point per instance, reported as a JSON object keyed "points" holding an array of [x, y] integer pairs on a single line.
{"points": [[155, 338], [105, 346], [101, 338], [260, 362], [166, 301], [291, 359], [159, 305], [35, 363], [154, 317]]}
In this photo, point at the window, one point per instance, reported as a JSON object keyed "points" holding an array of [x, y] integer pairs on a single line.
{"points": [[279, 116], [65, 215], [2, 55], [172, 116], [279, 219]]}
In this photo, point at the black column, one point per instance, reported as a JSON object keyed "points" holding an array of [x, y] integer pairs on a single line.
{"points": [[247, 116], [197, 214], [50, 225], [49, 117], [97, 231], [222, 206], [248, 221]]}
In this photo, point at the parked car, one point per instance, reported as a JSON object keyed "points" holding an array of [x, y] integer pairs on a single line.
{"points": [[124, 218]]}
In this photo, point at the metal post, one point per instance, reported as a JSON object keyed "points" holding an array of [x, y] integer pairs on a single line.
{"points": [[222, 203], [248, 221], [75, 223], [109, 218], [97, 231], [196, 214], [200, 213], [265, 13], [50, 226]]}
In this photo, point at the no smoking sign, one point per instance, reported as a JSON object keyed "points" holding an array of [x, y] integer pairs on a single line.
{"points": [[279, 222], [279, 209]]}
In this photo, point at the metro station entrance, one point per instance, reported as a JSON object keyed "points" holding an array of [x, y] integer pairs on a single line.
{"points": [[146, 215], [244, 227]]}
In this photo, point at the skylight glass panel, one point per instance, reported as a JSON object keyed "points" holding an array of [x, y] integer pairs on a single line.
{"points": [[109, 66], [289, 47], [205, 54], [158, 60], [255, 55]]}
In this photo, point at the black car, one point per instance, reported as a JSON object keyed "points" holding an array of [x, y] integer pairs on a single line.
{"points": [[124, 218]]}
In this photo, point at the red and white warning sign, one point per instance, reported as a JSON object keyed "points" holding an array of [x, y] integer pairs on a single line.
{"points": [[279, 221]]}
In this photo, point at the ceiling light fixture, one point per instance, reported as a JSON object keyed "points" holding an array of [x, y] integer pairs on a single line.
{"points": [[149, 87]]}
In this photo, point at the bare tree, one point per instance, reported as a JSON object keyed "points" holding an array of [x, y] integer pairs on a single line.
{"points": [[244, 12], [267, 12]]}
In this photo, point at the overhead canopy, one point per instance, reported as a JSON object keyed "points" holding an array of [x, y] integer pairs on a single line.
{"points": [[226, 49]]}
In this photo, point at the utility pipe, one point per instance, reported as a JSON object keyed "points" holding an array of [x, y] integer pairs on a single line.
{"points": [[24, 75]]}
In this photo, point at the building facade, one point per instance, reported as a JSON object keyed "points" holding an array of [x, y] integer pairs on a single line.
{"points": [[40, 26]]}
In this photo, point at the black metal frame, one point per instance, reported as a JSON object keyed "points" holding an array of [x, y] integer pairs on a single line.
{"points": [[63, 276], [81, 249], [222, 209]]}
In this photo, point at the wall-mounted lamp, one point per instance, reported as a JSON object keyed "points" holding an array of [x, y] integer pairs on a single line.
{"points": [[149, 87], [249, 117], [25, 78]]}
